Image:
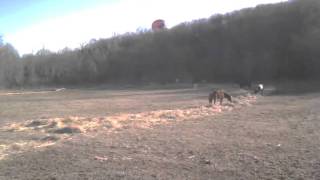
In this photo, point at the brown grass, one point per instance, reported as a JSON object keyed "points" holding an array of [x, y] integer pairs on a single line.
{"points": [[159, 134]]}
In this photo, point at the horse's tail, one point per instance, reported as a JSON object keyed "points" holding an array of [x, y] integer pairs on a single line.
{"points": [[228, 96]]}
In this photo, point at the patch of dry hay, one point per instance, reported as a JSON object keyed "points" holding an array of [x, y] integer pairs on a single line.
{"points": [[55, 125], [20, 147], [54, 129]]}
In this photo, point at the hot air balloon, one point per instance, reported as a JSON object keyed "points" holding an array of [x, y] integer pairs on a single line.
{"points": [[158, 25]]}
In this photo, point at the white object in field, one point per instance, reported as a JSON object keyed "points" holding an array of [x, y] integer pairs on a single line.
{"points": [[61, 89], [195, 86]]}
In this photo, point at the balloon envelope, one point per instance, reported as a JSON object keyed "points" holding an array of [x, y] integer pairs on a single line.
{"points": [[158, 24]]}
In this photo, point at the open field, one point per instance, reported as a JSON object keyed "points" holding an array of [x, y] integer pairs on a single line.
{"points": [[158, 134]]}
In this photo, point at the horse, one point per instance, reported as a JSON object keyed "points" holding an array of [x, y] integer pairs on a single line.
{"points": [[218, 94], [259, 88]]}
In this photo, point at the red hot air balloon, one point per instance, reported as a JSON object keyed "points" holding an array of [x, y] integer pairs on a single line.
{"points": [[158, 25]]}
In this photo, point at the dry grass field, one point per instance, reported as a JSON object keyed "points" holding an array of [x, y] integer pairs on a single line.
{"points": [[158, 133]]}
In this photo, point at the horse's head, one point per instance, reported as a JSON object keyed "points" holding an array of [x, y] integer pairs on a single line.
{"points": [[228, 96]]}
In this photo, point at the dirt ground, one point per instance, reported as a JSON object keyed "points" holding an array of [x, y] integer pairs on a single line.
{"points": [[158, 134]]}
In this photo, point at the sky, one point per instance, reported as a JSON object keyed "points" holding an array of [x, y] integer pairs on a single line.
{"points": [[30, 25]]}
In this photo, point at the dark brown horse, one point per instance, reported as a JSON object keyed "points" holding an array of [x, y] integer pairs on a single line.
{"points": [[218, 94]]}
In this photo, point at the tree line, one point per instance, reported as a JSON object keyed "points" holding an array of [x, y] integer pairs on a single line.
{"points": [[266, 43]]}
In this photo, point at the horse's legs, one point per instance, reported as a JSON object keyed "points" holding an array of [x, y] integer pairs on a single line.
{"points": [[221, 100]]}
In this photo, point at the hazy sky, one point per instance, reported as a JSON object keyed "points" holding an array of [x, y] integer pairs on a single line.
{"points": [[30, 25]]}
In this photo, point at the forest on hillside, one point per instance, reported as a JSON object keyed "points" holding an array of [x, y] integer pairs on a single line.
{"points": [[266, 43]]}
